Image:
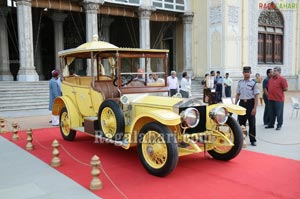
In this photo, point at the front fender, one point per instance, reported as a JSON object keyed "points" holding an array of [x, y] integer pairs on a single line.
{"points": [[73, 113], [232, 108], [165, 117]]}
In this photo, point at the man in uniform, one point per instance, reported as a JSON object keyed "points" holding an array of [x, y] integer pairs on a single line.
{"points": [[247, 94]]}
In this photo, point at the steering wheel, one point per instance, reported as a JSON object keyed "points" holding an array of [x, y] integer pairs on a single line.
{"points": [[125, 79]]}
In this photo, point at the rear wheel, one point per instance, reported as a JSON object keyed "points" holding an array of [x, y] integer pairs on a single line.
{"points": [[65, 124], [157, 149], [233, 132]]}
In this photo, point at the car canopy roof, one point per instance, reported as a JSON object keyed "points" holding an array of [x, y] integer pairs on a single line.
{"points": [[84, 50]]}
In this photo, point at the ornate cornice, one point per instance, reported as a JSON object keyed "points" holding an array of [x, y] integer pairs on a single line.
{"points": [[23, 2], [107, 21], [58, 16], [145, 12], [91, 7], [188, 17]]}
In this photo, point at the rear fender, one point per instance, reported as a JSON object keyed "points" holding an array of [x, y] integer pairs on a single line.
{"points": [[73, 113]]}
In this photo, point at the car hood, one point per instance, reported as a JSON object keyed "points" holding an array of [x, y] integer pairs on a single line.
{"points": [[156, 100], [165, 101]]}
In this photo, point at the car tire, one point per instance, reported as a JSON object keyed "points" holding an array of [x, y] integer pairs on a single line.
{"points": [[157, 149], [230, 152], [64, 125], [111, 120]]}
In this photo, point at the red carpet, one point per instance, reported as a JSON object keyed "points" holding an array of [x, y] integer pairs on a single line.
{"points": [[250, 175]]}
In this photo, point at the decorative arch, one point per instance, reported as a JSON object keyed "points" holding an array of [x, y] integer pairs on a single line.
{"points": [[270, 37]]}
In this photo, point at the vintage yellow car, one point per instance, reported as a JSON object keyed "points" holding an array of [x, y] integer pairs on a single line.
{"points": [[120, 103]]}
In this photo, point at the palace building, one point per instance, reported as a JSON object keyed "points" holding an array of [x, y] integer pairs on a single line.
{"points": [[202, 35], [33, 31]]}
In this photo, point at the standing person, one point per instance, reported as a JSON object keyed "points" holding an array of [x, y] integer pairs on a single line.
{"points": [[267, 114], [247, 93], [203, 82], [54, 92], [276, 87], [259, 80], [211, 80], [173, 83], [227, 84], [219, 86], [185, 85]]}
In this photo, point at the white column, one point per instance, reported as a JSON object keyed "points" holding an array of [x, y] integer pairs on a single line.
{"points": [[105, 28], [37, 56], [187, 42], [144, 23], [27, 70], [91, 9], [4, 52], [58, 19]]}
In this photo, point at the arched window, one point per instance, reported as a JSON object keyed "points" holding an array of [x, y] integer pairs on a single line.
{"points": [[270, 37]]}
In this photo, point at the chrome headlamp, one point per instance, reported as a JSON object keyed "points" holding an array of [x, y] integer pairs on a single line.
{"points": [[190, 117], [219, 114]]}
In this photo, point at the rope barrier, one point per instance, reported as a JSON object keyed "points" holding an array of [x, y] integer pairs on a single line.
{"points": [[103, 170], [83, 163], [38, 142]]}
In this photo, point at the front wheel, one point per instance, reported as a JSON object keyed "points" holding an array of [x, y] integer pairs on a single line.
{"points": [[64, 125], [157, 149], [232, 131], [111, 120]]}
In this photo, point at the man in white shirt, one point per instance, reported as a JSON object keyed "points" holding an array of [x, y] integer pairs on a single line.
{"points": [[173, 83], [185, 85], [227, 84], [157, 79]]}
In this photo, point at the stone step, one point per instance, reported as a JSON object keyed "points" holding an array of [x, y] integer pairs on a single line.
{"points": [[16, 96], [16, 102], [20, 108]]}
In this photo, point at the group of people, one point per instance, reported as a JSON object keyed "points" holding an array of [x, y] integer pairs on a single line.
{"points": [[185, 84], [215, 81], [184, 87], [250, 92], [247, 95]]}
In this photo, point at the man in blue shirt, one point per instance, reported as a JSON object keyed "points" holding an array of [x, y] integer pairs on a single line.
{"points": [[267, 116]]}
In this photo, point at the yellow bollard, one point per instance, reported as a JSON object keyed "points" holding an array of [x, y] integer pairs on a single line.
{"points": [[15, 131], [29, 145], [96, 183], [55, 162], [2, 125]]}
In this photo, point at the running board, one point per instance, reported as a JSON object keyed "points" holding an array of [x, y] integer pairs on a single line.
{"points": [[101, 139]]}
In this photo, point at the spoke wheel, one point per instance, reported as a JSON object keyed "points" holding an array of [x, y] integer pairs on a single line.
{"points": [[157, 149], [111, 120], [154, 149], [108, 122], [233, 132], [65, 125]]}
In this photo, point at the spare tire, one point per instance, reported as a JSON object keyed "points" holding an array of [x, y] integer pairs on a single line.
{"points": [[111, 120]]}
